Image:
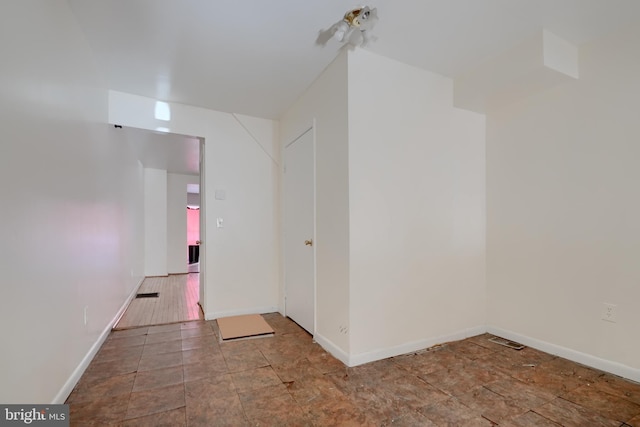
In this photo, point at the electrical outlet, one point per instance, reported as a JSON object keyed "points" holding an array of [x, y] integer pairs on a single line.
{"points": [[86, 319], [609, 312]]}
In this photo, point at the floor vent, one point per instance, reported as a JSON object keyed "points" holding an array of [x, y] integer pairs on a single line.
{"points": [[511, 344], [148, 295]]}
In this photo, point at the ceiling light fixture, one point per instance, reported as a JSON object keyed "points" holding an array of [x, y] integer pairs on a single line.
{"points": [[354, 28]]}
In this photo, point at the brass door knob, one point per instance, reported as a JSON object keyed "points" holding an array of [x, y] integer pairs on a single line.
{"points": [[308, 242]]}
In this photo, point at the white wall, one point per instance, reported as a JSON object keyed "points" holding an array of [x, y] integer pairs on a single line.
{"points": [[155, 222], [177, 248], [400, 207], [563, 208], [70, 222], [417, 204], [326, 102], [241, 260]]}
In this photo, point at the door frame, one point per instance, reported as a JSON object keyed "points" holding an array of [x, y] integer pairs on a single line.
{"points": [[202, 300], [312, 129]]}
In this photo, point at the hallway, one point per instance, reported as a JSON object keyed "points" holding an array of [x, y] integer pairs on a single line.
{"points": [[177, 301]]}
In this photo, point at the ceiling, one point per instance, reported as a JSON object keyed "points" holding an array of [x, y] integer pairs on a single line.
{"points": [[166, 151], [256, 57]]}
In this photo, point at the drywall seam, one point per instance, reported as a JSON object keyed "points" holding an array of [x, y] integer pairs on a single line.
{"points": [[75, 376], [255, 139]]}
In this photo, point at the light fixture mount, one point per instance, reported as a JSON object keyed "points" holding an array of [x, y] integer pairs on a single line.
{"points": [[355, 26]]}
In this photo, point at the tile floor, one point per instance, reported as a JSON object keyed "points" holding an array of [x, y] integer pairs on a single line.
{"points": [[180, 375]]}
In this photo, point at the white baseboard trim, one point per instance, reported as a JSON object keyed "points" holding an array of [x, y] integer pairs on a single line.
{"points": [[383, 353], [333, 349], [254, 310], [75, 376], [124, 306], [567, 353]]}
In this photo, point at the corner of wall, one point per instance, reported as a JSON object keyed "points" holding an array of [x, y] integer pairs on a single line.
{"points": [[333, 349], [383, 353]]}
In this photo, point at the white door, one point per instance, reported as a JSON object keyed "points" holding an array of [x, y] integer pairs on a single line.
{"points": [[299, 251]]}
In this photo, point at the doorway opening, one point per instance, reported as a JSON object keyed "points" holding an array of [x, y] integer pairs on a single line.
{"points": [[171, 224], [193, 228]]}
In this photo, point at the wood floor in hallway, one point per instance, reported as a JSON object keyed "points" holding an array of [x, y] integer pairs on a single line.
{"points": [[177, 301]]}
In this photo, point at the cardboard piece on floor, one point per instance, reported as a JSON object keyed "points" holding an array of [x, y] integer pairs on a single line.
{"points": [[250, 325]]}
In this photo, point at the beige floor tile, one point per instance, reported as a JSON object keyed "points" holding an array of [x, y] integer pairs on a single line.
{"points": [[603, 403], [172, 418], [492, 406], [531, 419], [102, 411], [452, 412], [157, 361], [158, 378], [154, 401], [255, 378], [570, 414], [180, 374]]}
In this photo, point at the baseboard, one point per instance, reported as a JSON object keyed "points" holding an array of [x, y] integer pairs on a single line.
{"points": [[75, 376], [124, 306], [383, 353], [333, 349], [573, 355], [254, 310]]}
